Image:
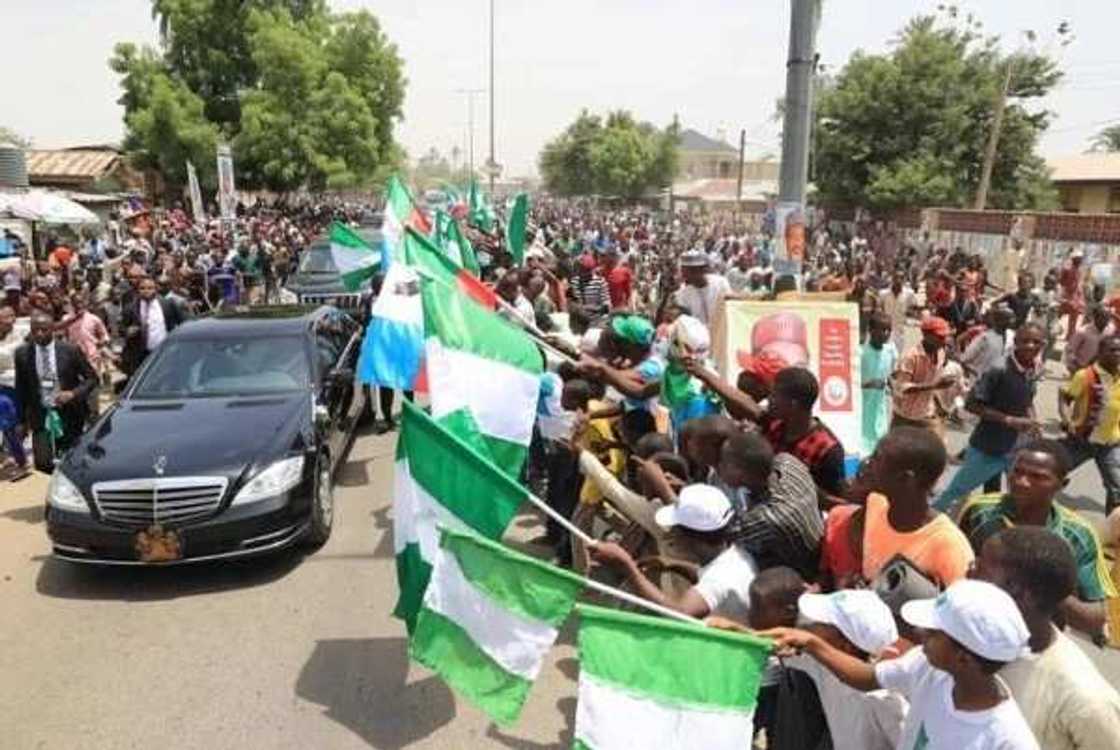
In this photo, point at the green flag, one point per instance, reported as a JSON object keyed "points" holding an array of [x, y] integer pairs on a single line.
{"points": [[355, 260], [515, 228], [479, 212], [489, 617]]}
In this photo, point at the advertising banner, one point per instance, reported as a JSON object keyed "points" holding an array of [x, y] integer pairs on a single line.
{"points": [[789, 234], [197, 209], [227, 195], [821, 336]]}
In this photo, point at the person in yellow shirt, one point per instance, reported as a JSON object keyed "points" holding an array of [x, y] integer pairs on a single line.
{"points": [[1089, 406]]}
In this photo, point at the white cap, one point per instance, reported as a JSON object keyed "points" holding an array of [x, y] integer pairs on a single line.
{"points": [[700, 507], [859, 614], [979, 616]]}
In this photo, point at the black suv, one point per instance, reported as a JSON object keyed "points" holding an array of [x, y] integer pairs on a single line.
{"points": [[223, 445]]}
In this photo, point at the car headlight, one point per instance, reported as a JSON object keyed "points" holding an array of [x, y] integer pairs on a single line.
{"points": [[279, 477], [62, 494]]}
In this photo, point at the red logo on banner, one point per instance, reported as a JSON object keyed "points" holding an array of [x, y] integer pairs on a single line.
{"points": [[835, 365]]}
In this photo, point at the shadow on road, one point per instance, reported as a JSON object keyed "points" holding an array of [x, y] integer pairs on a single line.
{"points": [[29, 514], [566, 706], [362, 684], [353, 473], [384, 526], [64, 580]]}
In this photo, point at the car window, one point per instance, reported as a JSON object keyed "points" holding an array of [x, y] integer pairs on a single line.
{"points": [[317, 259], [239, 366]]}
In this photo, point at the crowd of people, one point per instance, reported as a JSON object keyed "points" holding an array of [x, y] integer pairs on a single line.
{"points": [[909, 611]]}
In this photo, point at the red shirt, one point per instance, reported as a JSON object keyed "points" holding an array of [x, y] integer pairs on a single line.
{"points": [[620, 283]]}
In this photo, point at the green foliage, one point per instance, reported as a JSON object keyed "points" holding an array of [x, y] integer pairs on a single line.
{"points": [[7, 135], [1107, 140], [909, 128], [619, 156], [305, 97]]}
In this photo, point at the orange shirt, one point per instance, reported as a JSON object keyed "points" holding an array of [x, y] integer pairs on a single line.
{"points": [[939, 549], [918, 368]]}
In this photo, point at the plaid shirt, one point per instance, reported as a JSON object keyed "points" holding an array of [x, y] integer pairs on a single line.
{"points": [[784, 528]]}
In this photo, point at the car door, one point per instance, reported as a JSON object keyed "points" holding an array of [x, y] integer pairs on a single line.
{"points": [[328, 353], [353, 397]]}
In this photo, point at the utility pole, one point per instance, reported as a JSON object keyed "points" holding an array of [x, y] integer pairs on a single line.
{"points": [[492, 164], [799, 101], [470, 94], [791, 242], [742, 156], [993, 143]]}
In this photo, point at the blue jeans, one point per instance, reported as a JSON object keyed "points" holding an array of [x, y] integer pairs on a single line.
{"points": [[978, 468], [9, 422], [1107, 458]]}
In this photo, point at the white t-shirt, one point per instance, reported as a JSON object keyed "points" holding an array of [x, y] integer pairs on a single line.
{"points": [[934, 723], [896, 305], [725, 583], [1066, 701], [856, 720], [701, 303]]}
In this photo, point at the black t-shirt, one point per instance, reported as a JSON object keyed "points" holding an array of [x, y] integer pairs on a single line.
{"points": [[1008, 389], [1020, 305]]}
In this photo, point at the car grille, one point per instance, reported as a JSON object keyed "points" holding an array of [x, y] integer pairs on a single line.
{"points": [[172, 501], [341, 300]]}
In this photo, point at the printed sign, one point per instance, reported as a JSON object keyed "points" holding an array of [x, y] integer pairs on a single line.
{"points": [[821, 336], [227, 193]]}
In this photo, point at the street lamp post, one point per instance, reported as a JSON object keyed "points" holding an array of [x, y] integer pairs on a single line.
{"points": [[470, 94], [492, 164]]}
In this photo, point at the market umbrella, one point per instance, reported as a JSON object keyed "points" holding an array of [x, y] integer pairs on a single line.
{"points": [[51, 208]]}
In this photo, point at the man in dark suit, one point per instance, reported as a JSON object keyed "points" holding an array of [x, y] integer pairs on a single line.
{"points": [[146, 322], [52, 375]]}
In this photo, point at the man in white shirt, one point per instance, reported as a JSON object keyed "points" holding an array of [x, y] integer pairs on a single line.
{"points": [[702, 513], [897, 301], [702, 292], [1066, 701]]}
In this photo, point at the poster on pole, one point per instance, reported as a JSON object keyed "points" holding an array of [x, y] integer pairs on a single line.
{"points": [[789, 237], [197, 209], [818, 335], [227, 197]]}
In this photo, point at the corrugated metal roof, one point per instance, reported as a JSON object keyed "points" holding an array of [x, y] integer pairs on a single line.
{"points": [[1085, 168], [79, 164], [692, 140]]}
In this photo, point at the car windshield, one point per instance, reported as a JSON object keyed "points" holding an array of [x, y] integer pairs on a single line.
{"points": [[202, 368], [318, 259]]}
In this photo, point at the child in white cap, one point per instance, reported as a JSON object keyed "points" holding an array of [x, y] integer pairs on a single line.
{"points": [[859, 624], [956, 700]]}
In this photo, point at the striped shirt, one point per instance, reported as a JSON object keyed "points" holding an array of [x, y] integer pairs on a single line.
{"points": [[784, 528], [986, 515], [593, 294]]}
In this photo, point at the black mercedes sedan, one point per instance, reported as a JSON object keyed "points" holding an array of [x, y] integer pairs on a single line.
{"points": [[224, 444]]}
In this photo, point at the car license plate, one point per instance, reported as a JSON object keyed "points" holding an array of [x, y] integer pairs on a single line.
{"points": [[156, 544]]}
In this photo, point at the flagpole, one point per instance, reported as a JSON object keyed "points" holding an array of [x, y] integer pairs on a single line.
{"points": [[603, 588], [538, 335]]}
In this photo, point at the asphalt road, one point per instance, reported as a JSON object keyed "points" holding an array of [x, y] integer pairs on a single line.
{"points": [[288, 652]]}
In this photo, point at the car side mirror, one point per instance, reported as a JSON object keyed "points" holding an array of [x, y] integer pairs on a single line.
{"points": [[322, 416]]}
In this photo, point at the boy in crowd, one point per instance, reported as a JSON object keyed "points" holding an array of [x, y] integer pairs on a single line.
{"points": [[1037, 475], [1089, 406], [877, 362], [1066, 701], [956, 698]]}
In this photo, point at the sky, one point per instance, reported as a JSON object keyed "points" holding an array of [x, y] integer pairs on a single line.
{"points": [[717, 64]]}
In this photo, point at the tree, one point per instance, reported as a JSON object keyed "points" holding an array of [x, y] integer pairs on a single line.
{"points": [[909, 128], [619, 156], [1106, 140], [306, 98], [7, 135]]}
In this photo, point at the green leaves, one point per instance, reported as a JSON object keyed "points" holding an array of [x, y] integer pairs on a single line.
{"points": [[618, 157], [909, 128], [308, 99], [1107, 140]]}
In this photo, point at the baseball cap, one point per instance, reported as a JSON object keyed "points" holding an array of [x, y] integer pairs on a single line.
{"points": [[978, 615], [700, 507], [859, 614]]}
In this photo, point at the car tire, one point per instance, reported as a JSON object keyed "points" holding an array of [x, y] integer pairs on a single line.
{"points": [[322, 503]]}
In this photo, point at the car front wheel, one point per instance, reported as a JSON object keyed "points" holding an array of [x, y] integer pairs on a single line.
{"points": [[322, 503]]}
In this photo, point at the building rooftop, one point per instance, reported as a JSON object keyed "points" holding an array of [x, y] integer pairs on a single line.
{"points": [[1093, 167], [71, 164], [692, 140]]}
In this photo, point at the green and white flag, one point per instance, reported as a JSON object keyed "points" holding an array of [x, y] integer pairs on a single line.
{"points": [[483, 374], [440, 479], [489, 618], [516, 226], [479, 211], [647, 682], [454, 244], [354, 258]]}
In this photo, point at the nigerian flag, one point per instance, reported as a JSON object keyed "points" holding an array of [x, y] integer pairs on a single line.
{"points": [[490, 616], [647, 682], [479, 211], [400, 212], [483, 374], [355, 259], [516, 226], [440, 479]]}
